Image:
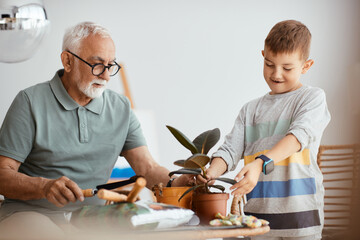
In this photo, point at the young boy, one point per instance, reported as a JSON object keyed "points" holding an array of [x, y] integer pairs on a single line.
{"points": [[279, 134]]}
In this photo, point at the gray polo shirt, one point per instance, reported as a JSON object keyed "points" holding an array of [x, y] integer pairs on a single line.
{"points": [[53, 136]]}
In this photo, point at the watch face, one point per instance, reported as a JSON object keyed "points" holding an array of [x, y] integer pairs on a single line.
{"points": [[269, 167]]}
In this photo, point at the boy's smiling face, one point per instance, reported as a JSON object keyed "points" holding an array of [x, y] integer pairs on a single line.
{"points": [[282, 71]]}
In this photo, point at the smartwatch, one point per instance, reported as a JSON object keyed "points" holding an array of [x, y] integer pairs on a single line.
{"points": [[268, 165]]}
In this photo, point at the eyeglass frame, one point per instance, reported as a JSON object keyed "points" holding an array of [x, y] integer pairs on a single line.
{"points": [[97, 64]]}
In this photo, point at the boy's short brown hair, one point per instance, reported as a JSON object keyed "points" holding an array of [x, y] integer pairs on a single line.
{"points": [[289, 36]]}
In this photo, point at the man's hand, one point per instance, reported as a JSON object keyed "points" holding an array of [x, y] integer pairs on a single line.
{"points": [[61, 191], [184, 180], [249, 176], [17, 185]]}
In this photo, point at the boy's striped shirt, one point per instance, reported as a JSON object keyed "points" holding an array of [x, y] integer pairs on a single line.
{"points": [[291, 197]]}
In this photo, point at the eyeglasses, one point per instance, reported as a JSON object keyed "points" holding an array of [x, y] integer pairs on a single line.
{"points": [[98, 68]]}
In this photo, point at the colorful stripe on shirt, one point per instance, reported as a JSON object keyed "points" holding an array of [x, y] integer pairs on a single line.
{"points": [[281, 189], [266, 129], [302, 157], [292, 220]]}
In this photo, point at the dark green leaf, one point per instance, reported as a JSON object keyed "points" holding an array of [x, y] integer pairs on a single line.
{"points": [[227, 180], [190, 189], [180, 163], [186, 171], [205, 141], [222, 188], [197, 160], [183, 139]]}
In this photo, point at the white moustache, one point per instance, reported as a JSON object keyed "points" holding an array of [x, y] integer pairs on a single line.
{"points": [[98, 81]]}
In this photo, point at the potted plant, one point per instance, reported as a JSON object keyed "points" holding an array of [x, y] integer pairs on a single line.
{"points": [[171, 195], [205, 202]]}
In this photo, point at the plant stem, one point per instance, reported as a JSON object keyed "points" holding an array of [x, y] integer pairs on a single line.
{"points": [[207, 187], [204, 171]]}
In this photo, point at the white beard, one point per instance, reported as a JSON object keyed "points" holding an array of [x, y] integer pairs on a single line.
{"points": [[91, 91]]}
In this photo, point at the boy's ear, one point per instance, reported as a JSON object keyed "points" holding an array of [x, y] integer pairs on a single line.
{"points": [[262, 52], [307, 66]]}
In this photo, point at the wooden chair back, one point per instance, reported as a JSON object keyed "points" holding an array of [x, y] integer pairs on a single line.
{"points": [[340, 167]]}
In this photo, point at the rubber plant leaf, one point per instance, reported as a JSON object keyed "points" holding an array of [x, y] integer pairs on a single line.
{"points": [[205, 141], [221, 188], [226, 180], [183, 139], [180, 163], [186, 171], [197, 161], [189, 190]]}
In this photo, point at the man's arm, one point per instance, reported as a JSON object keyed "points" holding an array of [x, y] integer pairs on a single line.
{"points": [[144, 164], [17, 185], [251, 172]]}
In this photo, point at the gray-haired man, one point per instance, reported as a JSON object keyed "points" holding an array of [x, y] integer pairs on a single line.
{"points": [[65, 135]]}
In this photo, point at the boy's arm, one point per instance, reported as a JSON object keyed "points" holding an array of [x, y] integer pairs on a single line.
{"points": [[248, 177]]}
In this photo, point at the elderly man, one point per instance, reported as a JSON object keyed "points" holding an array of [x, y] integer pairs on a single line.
{"points": [[65, 135]]}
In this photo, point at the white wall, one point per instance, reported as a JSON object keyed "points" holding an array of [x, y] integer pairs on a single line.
{"points": [[195, 63]]}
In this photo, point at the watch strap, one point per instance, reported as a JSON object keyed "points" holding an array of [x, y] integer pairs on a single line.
{"points": [[266, 160]]}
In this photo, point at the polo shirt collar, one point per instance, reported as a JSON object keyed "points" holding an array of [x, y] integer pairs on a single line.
{"points": [[66, 101]]}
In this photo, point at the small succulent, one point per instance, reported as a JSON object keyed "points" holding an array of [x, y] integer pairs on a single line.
{"points": [[196, 163]]}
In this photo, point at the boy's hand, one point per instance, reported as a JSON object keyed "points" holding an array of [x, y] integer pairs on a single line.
{"points": [[217, 167], [210, 174], [249, 176]]}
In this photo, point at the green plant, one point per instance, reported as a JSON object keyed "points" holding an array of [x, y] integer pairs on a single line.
{"points": [[196, 163]]}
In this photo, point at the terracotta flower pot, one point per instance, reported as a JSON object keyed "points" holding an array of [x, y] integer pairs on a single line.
{"points": [[206, 205], [171, 195]]}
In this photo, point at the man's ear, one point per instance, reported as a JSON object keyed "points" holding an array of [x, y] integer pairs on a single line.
{"points": [[307, 66], [67, 61], [262, 52]]}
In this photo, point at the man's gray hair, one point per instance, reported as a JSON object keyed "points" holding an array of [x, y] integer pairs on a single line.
{"points": [[74, 35]]}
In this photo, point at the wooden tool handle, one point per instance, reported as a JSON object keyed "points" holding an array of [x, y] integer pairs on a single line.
{"points": [[88, 192], [138, 186], [111, 196], [124, 81]]}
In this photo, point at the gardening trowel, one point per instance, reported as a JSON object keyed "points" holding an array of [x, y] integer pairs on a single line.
{"points": [[102, 191]]}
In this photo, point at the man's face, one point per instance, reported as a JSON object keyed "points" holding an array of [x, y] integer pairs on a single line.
{"points": [[282, 71], [93, 49]]}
